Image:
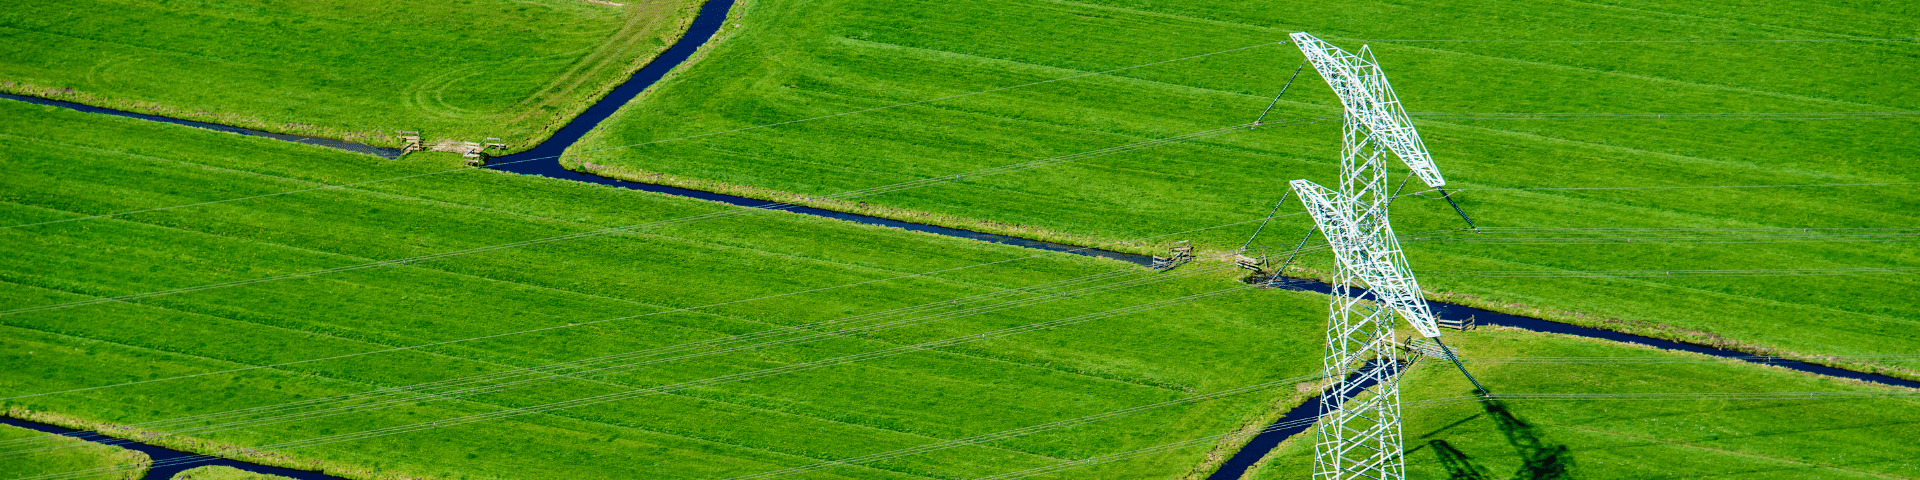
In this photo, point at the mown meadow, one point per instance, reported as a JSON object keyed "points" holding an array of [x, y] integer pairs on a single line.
{"points": [[1663, 432], [619, 303], [799, 59], [350, 69], [79, 455], [223, 473]]}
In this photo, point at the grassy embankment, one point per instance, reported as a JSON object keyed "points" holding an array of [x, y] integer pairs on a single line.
{"points": [[351, 69], [80, 455], [223, 473], [797, 59], [1685, 437], [65, 165]]}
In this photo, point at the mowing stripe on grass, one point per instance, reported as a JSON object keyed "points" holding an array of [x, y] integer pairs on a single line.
{"points": [[1447, 401], [663, 223], [557, 327], [1779, 40], [602, 371], [1029, 430], [726, 379], [689, 137]]}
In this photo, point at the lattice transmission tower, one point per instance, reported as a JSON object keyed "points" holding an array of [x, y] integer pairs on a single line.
{"points": [[1360, 435]]}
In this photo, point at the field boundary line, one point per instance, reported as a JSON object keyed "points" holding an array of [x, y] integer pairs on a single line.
{"points": [[729, 302], [930, 100], [1043, 297], [1783, 40], [682, 220], [1549, 140], [1695, 16], [97, 438], [427, 202], [1687, 187], [983, 439], [739, 377], [555, 157], [1659, 79], [1647, 282], [1721, 450]]}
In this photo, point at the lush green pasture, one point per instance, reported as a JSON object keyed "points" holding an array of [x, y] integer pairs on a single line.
{"points": [[353, 69], [80, 456], [223, 473], [798, 59], [593, 298], [1640, 438]]}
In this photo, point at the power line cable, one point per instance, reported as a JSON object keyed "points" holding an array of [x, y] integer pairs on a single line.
{"points": [[1662, 116], [675, 139], [1758, 272], [607, 370], [611, 231], [1019, 432], [557, 327], [1598, 360], [559, 368], [1690, 187], [1778, 40], [643, 392], [1439, 402]]}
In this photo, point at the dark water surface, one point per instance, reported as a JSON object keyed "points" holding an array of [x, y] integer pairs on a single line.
{"points": [[543, 159], [324, 142], [1261, 445], [173, 461]]}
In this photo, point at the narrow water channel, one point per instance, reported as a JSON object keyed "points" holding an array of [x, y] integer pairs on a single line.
{"points": [[171, 461], [323, 142], [543, 160]]}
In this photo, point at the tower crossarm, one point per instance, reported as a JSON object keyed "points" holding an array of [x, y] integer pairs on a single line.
{"points": [[1369, 100], [1367, 248]]}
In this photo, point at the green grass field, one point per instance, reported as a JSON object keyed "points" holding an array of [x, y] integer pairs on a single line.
{"points": [[80, 455], [223, 473], [791, 62], [64, 165], [1685, 437], [952, 337], [352, 69]]}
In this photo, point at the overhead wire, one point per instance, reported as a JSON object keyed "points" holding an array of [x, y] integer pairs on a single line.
{"points": [[648, 391], [1731, 40], [1023, 431], [630, 362], [667, 140], [1757, 272], [582, 324], [611, 231], [1141, 452], [1693, 187], [1441, 402], [1666, 116], [1661, 240], [1602, 360], [561, 369]]}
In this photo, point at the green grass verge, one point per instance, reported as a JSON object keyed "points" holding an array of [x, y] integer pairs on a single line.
{"points": [[796, 59], [223, 473], [351, 69], [76, 455], [64, 165], [1643, 438]]}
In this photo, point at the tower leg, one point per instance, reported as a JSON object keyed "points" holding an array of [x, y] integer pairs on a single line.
{"points": [[1359, 428]]}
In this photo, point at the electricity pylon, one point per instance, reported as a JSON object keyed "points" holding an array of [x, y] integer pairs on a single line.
{"points": [[1361, 438]]}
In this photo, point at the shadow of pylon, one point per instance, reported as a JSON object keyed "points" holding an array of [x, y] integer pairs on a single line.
{"points": [[1544, 460], [1458, 466]]}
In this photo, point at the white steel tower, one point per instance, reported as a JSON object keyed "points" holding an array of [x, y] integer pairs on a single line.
{"points": [[1361, 438]]}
